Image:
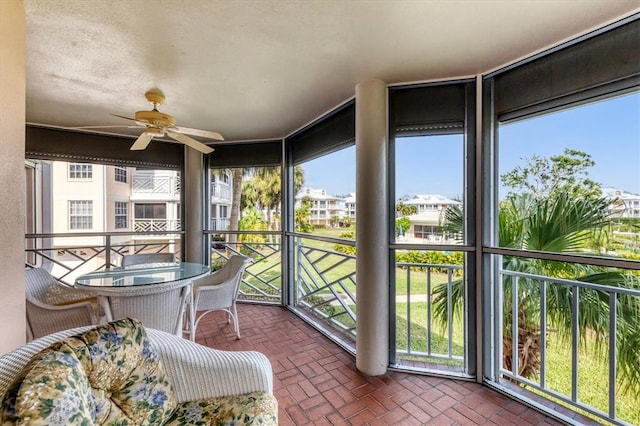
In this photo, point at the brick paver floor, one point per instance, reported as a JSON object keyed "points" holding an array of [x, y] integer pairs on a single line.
{"points": [[316, 381]]}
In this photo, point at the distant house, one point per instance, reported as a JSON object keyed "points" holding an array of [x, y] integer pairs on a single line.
{"points": [[426, 224], [623, 204]]}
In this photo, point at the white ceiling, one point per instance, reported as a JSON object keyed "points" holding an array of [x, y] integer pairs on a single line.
{"points": [[262, 69]]}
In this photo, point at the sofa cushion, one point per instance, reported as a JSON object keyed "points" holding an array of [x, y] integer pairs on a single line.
{"points": [[127, 383], [257, 408], [54, 390]]}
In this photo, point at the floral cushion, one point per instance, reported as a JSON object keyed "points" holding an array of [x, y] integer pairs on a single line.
{"points": [[54, 391], [107, 375], [257, 408]]}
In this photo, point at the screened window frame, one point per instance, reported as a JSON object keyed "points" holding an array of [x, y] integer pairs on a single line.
{"points": [[557, 99], [434, 109], [596, 92]]}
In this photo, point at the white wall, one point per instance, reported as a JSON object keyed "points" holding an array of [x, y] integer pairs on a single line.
{"points": [[12, 174]]}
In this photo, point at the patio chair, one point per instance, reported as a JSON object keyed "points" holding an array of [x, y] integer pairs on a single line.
{"points": [[53, 306], [218, 292], [142, 258], [158, 306]]}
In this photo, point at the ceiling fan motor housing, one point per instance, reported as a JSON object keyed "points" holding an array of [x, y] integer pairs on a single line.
{"points": [[155, 118]]}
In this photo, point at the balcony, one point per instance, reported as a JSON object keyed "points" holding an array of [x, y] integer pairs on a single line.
{"points": [[155, 188], [220, 224], [155, 225], [220, 192], [316, 379]]}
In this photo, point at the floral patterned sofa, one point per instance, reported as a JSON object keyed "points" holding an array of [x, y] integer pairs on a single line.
{"points": [[121, 374]]}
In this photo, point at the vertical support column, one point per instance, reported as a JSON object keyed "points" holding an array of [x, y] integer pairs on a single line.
{"points": [[193, 206], [372, 245], [12, 174]]}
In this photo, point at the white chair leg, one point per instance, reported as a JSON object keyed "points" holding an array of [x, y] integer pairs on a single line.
{"points": [[235, 320]]}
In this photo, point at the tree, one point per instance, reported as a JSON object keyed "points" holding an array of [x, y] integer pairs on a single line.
{"points": [[547, 177], [234, 218], [403, 209], [302, 214], [402, 225], [562, 223], [264, 190]]}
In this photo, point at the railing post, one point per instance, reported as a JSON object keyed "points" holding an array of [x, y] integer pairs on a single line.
{"points": [[107, 251], [296, 274]]}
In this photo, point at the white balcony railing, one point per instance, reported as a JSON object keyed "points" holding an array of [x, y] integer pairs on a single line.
{"points": [[148, 225], [220, 224], [156, 185], [220, 191]]}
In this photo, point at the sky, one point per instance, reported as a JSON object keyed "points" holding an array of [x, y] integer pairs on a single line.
{"points": [[608, 130]]}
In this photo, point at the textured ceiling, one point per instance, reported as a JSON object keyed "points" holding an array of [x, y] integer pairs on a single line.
{"points": [[262, 69]]}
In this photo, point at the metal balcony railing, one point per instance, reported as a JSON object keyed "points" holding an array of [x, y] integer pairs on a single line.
{"points": [[513, 287], [68, 255], [262, 281], [420, 336], [325, 287]]}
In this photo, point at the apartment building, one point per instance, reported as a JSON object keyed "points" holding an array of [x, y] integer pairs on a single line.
{"points": [[221, 195], [324, 207]]}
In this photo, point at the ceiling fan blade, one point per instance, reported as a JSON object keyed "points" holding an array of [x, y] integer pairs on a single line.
{"points": [[139, 123], [190, 142], [124, 126], [197, 132], [122, 116], [142, 142]]}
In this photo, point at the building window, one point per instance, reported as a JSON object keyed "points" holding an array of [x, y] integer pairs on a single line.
{"points": [[80, 171], [121, 174], [80, 215], [121, 214], [151, 211], [224, 212]]}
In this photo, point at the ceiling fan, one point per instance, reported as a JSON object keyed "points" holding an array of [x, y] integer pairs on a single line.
{"points": [[158, 124]]}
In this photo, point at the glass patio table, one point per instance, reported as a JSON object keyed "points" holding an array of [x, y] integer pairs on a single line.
{"points": [[154, 293], [144, 274]]}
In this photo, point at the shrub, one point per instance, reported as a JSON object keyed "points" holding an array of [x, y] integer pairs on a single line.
{"points": [[432, 257], [344, 249]]}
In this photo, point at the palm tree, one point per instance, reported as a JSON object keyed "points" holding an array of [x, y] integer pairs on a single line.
{"points": [[562, 224], [403, 209], [234, 218], [263, 190]]}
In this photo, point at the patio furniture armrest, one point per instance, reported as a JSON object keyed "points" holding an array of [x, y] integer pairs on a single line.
{"points": [[46, 319], [214, 278], [198, 372], [12, 362]]}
